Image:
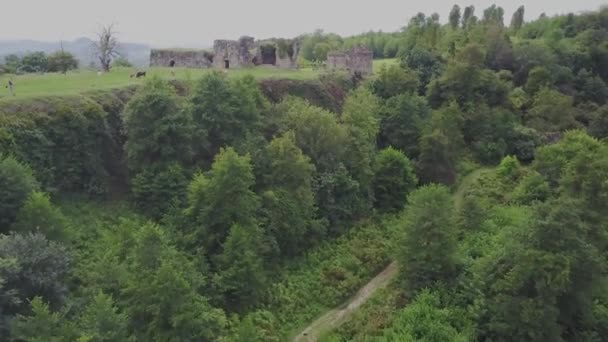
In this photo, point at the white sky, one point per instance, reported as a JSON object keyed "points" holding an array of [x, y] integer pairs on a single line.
{"points": [[167, 23]]}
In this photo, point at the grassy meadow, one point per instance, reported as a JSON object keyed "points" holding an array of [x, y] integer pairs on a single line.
{"points": [[33, 85]]}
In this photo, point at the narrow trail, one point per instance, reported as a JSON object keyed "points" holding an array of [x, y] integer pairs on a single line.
{"points": [[335, 317]]}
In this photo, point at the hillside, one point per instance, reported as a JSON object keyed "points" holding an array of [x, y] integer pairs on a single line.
{"points": [[261, 205]]}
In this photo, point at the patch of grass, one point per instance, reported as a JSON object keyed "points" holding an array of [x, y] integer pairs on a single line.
{"points": [[79, 81], [378, 63], [329, 275]]}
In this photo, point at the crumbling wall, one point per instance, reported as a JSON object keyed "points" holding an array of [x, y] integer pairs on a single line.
{"points": [[360, 59], [287, 54], [181, 58], [336, 61], [238, 53], [357, 60]]}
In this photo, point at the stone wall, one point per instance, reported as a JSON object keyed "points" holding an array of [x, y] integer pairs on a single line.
{"points": [[238, 53], [360, 59], [182, 58], [234, 54], [357, 60], [336, 61]]}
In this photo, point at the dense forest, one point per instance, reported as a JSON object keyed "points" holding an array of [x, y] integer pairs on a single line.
{"points": [[231, 209]]}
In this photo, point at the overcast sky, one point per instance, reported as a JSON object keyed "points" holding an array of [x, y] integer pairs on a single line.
{"points": [[168, 23]]}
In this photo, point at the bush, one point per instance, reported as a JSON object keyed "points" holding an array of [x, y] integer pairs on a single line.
{"points": [[63, 139], [156, 189], [159, 131], [16, 184], [62, 61], [394, 178], [122, 62], [34, 62], [394, 80], [532, 187], [39, 215]]}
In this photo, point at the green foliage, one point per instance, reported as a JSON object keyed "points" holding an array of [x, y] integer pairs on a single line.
{"points": [[222, 198], [38, 215], [157, 188], [62, 61], [394, 179], [425, 319], [328, 275], [360, 116], [551, 112], [427, 246], [338, 198], [467, 83], [159, 131], [538, 78], [552, 160], [241, 277], [101, 321], [518, 19], [317, 133], [122, 62], [40, 269], [258, 326], [16, 185], [440, 146], [455, 17], [509, 169], [42, 325], [402, 121], [66, 141], [533, 187], [598, 127], [224, 112], [425, 63], [288, 201], [34, 62], [394, 80]]}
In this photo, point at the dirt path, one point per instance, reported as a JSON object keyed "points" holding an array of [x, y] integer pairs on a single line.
{"points": [[335, 317]]}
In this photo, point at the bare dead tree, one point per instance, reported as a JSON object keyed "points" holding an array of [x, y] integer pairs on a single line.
{"points": [[106, 46]]}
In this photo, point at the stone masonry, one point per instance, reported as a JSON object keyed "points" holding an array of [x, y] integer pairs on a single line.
{"points": [[357, 60], [181, 58], [232, 54]]}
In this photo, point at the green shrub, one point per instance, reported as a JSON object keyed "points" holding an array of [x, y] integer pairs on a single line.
{"points": [[156, 189], [39, 215], [533, 187], [62, 139], [16, 184], [394, 178]]}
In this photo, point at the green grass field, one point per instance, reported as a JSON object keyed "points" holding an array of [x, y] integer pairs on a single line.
{"points": [[74, 82]]}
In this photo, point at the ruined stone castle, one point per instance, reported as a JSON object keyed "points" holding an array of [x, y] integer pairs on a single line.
{"points": [[232, 54], [357, 60]]}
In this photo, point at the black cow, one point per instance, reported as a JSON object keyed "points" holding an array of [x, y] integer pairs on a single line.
{"points": [[139, 74]]}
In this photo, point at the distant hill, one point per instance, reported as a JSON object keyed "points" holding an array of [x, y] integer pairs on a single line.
{"points": [[138, 54]]}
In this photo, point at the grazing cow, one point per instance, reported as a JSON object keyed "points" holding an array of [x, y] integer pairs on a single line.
{"points": [[139, 74]]}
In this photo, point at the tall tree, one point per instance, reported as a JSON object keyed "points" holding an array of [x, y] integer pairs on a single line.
{"points": [[241, 277], [427, 247], [394, 179], [518, 18], [222, 198], [440, 146], [225, 112], [106, 46], [455, 17], [468, 17], [158, 130], [288, 200], [16, 184]]}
